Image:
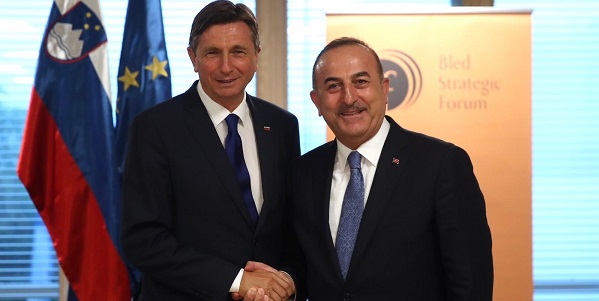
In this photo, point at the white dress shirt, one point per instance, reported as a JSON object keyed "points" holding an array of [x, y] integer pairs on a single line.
{"points": [[370, 151], [245, 128]]}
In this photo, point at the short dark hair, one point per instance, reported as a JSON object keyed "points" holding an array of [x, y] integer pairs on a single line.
{"points": [[346, 41], [223, 12]]}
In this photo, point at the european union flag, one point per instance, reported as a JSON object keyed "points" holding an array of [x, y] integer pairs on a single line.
{"points": [[143, 79]]}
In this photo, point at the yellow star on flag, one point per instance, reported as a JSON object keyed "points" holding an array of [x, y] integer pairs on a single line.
{"points": [[157, 67], [129, 78]]}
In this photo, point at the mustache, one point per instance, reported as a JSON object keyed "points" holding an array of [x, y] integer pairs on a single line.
{"points": [[350, 108]]}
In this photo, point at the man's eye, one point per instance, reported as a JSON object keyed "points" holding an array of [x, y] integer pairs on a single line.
{"points": [[361, 82], [332, 86]]}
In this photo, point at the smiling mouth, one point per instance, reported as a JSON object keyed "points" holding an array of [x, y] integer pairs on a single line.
{"points": [[226, 81], [352, 112]]}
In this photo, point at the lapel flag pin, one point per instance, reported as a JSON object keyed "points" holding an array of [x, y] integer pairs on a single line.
{"points": [[395, 161], [267, 129]]}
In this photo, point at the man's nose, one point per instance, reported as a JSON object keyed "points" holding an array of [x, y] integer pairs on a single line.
{"points": [[350, 94], [225, 65]]}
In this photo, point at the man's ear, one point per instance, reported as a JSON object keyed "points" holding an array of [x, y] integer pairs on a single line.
{"points": [[192, 57], [386, 83], [315, 101]]}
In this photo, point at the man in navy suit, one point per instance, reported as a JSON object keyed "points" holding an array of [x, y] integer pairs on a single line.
{"points": [[187, 223], [418, 230]]}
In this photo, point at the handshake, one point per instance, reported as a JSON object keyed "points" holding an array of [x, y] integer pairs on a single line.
{"points": [[260, 282]]}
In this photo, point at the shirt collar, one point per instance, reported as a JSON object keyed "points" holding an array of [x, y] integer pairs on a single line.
{"points": [[370, 150], [218, 113]]}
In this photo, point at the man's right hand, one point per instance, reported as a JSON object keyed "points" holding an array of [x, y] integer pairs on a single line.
{"points": [[277, 285], [255, 295]]}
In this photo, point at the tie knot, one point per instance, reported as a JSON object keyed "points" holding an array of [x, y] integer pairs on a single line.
{"points": [[231, 121], [354, 160]]}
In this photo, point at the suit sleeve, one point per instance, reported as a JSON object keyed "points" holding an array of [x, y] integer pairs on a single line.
{"points": [[464, 234], [293, 260], [292, 256], [147, 237]]}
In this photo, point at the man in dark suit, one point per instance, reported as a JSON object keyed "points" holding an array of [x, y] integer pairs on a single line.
{"points": [[383, 213], [191, 218]]}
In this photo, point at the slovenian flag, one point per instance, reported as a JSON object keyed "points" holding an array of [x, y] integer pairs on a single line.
{"points": [[67, 152], [143, 80]]}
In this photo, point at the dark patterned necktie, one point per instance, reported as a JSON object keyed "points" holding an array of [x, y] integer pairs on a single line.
{"points": [[351, 213], [235, 153]]}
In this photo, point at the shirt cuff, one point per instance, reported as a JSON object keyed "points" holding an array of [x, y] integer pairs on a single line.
{"points": [[236, 283]]}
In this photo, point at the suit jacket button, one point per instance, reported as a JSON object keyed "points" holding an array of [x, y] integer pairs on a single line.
{"points": [[346, 297], [256, 243]]}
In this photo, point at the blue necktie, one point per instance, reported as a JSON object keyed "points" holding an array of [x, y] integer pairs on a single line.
{"points": [[351, 213], [235, 153]]}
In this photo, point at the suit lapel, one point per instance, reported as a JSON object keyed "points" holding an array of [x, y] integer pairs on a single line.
{"points": [[200, 125], [385, 182], [322, 199], [264, 145]]}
